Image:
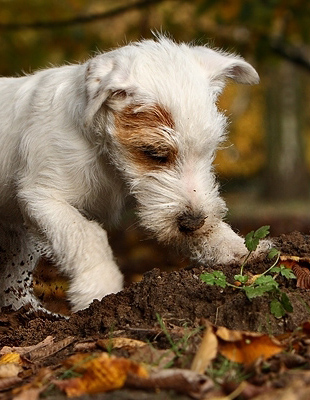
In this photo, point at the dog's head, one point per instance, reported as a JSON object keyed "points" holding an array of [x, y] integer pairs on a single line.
{"points": [[155, 103]]}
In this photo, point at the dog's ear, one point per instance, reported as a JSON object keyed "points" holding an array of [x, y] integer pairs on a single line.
{"points": [[107, 82], [220, 65]]}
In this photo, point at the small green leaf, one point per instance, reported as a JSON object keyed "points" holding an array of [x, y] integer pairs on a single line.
{"points": [[207, 278], [214, 278], [252, 239], [286, 302], [275, 270], [251, 242], [241, 278], [277, 309], [262, 232], [266, 280], [257, 291], [220, 279], [287, 273], [273, 253]]}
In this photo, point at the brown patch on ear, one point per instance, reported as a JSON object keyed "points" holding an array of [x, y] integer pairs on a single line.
{"points": [[144, 134]]}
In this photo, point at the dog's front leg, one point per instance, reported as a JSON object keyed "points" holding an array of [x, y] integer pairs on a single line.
{"points": [[79, 247]]}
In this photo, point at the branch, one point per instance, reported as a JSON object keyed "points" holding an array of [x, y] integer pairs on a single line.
{"points": [[292, 54], [78, 20], [296, 55]]}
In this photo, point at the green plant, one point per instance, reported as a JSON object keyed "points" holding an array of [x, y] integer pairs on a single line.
{"points": [[223, 370], [180, 346], [264, 283]]}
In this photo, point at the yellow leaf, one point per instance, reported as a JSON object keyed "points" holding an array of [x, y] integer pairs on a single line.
{"points": [[100, 374], [11, 358], [119, 342]]}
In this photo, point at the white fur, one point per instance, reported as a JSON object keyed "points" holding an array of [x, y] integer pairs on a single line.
{"points": [[64, 172]]}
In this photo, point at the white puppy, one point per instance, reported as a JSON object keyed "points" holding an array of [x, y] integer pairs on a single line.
{"points": [[75, 140]]}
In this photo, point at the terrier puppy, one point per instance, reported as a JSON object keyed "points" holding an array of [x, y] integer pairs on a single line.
{"points": [[75, 140]]}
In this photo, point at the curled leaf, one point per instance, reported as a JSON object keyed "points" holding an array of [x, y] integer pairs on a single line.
{"points": [[246, 347], [302, 275], [300, 267], [206, 352]]}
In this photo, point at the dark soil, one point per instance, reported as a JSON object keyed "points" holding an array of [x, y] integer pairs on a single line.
{"points": [[180, 298]]}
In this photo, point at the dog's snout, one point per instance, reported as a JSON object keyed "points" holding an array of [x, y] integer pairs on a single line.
{"points": [[190, 221]]}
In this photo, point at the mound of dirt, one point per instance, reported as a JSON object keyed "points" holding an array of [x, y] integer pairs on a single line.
{"points": [[179, 297]]}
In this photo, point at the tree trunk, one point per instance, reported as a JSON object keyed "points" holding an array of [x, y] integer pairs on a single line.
{"points": [[286, 174]]}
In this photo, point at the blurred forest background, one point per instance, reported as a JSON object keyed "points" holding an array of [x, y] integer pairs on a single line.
{"points": [[264, 167]]}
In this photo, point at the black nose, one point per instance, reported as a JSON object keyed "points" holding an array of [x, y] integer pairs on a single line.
{"points": [[190, 221]]}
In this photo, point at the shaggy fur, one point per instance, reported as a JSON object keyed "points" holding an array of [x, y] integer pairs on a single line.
{"points": [[75, 140]]}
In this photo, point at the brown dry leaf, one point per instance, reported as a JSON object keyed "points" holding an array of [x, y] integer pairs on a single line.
{"points": [[301, 268], [29, 394], [294, 259], [9, 370], [43, 352], [229, 335], [180, 380], [39, 383], [99, 374], [23, 350], [249, 347], [119, 342], [151, 356], [207, 351], [10, 365], [7, 383], [88, 345], [302, 275]]}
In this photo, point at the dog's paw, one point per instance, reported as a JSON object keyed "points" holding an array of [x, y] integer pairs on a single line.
{"points": [[262, 250], [232, 252], [236, 252], [227, 247], [91, 285]]}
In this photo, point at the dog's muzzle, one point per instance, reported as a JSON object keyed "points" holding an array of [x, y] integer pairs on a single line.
{"points": [[190, 221]]}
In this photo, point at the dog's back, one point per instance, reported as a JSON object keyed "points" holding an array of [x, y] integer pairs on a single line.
{"points": [[29, 117]]}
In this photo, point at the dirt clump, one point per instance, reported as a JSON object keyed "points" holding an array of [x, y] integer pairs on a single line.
{"points": [[179, 298]]}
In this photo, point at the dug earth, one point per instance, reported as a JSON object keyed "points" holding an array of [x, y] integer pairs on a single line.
{"points": [[179, 297]]}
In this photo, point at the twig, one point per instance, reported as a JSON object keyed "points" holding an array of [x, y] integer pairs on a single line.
{"points": [[84, 19]]}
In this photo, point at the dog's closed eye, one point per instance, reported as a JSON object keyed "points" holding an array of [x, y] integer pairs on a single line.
{"points": [[160, 156]]}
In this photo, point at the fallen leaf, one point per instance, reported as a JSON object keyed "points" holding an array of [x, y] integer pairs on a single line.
{"points": [[29, 394], [151, 356], [119, 342], [7, 383], [10, 365], [206, 352], [249, 348], [228, 335], [23, 350], [88, 345], [301, 268], [302, 275], [288, 259], [47, 350], [99, 374], [33, 389], [9, 370], [180, 380], [10, 358]]}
